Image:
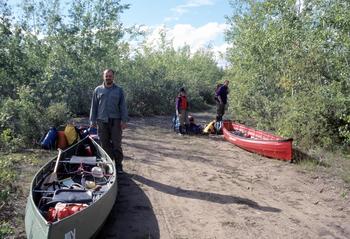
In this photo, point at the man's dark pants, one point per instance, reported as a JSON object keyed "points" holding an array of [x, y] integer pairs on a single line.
{"points": [[110, 135], [220, 111]]}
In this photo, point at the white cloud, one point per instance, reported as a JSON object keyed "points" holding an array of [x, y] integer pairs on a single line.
{"points": [[299, 6], [196, 37], [183, 8], [220, 54], [209, 34], [180, 9]]}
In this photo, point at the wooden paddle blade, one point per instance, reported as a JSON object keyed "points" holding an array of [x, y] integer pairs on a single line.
{"points": [[52, 178], [49, 180]]}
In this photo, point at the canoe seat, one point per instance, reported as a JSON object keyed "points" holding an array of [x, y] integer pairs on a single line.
{"points": [[71, 196]]}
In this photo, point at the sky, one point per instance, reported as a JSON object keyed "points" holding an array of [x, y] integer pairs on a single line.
{"points": [[197, 23]]}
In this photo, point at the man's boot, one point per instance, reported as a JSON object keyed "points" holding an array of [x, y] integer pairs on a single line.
{"points": [[180, 129]]}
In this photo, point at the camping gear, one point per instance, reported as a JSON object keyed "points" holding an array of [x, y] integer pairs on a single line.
{"points": [[70, 208], [97, 172], [49, 141], [63, 210], [71, 134], [61, 140], [258, 141], [210, 128]]}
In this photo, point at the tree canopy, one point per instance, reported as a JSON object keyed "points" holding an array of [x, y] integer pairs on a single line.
{"points": [[290, 67], [52, 61]]}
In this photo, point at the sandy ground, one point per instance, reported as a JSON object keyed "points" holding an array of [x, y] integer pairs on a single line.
{"points": [[204, 187]]}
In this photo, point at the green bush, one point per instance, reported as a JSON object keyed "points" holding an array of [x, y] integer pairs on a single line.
{"points": [[290, 73], [344, 130], [153, 78], [57, 114], [23, 121]]}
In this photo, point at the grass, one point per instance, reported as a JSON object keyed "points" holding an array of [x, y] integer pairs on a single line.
{"points": [[310, 160], [345, 194], [5, 229], [345, 168], [335, 164], [11, 187], [7, 189]]}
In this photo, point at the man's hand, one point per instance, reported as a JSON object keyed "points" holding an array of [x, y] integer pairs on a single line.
{"points": [[220, 100], [123, 125]]}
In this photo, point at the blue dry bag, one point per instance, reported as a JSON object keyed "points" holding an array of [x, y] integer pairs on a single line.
{"points": [[49, 142]]}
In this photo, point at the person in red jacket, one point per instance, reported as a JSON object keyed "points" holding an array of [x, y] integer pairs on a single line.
{"points": [[181, 110]]}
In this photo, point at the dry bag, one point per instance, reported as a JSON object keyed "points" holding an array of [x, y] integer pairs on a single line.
{"points": [[71, 134]]}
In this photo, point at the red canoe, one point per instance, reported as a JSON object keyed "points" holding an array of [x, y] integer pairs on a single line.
{"points": [[258, 141]]}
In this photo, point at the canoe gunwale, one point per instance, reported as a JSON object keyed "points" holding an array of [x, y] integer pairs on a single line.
{"points": [[261, 140], [280, 148]]}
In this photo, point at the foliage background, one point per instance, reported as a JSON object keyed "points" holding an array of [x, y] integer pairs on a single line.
{"points": [[51, 64], [289, 68]]}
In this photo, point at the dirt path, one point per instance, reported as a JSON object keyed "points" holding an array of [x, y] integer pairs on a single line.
{"points": [[203, 187]]}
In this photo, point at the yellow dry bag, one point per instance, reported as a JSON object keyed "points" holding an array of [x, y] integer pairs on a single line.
{"points": [[71, 134]]}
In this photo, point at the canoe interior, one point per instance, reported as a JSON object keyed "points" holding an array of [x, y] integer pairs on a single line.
{"points": [[71, 188], [258, 141], [251, 132]]}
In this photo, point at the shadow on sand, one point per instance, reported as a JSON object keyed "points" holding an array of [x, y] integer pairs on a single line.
{"points": [[207, 196], [132, 215]]}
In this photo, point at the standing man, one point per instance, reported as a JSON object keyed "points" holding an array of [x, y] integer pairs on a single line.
{"points": [[221, 96], [181, 109], [109, 113]]}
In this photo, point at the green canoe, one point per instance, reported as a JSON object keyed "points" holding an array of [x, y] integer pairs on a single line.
{"points": [[85, 175]]}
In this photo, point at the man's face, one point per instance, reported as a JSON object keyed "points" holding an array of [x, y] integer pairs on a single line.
{"points": [[108, 78], [226, 82]]}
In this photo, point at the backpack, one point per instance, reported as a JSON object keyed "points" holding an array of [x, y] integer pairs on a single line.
{"points": [[217, 89]]}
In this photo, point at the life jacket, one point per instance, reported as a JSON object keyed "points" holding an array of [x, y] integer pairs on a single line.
{"points": [[183, 102]]}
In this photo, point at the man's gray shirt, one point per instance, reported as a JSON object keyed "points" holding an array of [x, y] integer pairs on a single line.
{"points": [[108, 103]]}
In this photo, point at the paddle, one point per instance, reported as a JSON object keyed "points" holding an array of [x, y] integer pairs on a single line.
{"points": [[52, 178]]}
